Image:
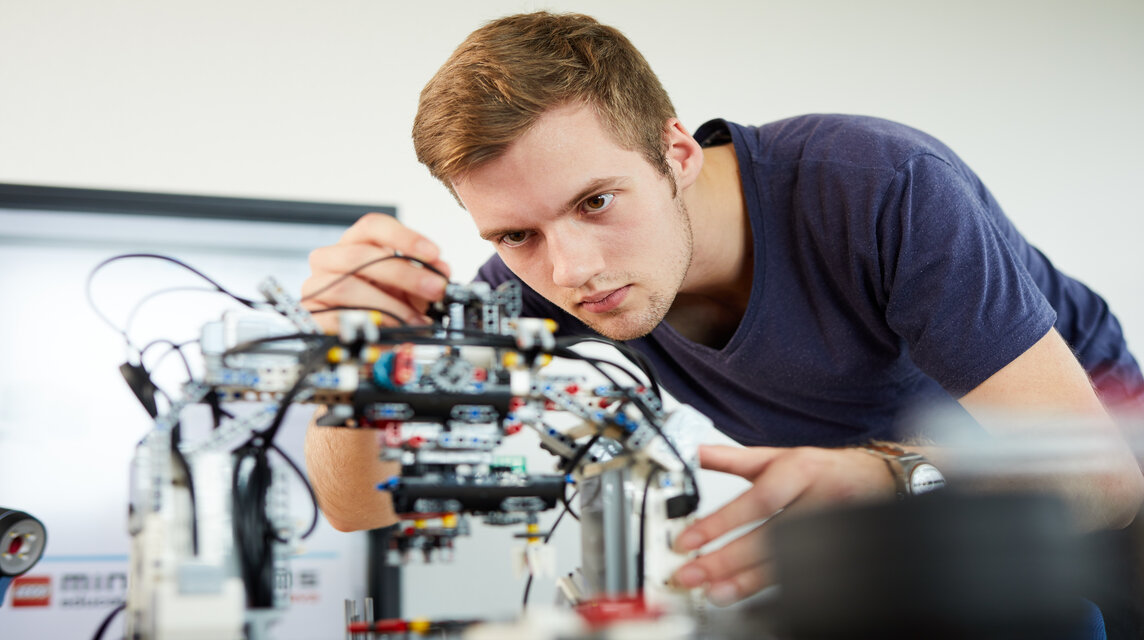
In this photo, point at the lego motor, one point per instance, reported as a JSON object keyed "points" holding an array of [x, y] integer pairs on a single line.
{"points": [[22, 542]]}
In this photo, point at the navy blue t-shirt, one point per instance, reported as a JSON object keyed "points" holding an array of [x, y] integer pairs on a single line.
{"points": [[886, 279]]}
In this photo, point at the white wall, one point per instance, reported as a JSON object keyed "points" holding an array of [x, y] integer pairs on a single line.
{"points": [[314, 100]]}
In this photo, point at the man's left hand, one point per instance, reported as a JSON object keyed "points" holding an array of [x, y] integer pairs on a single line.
{"points": [[785, 480]]}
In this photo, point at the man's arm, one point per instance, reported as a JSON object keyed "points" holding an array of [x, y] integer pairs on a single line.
{"points": [[1048, 380], [1045, 380], [345, 469], [343, 464]]}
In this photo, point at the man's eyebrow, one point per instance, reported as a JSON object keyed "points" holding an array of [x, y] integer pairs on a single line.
{"points": [[492, 234], [593, 188]]}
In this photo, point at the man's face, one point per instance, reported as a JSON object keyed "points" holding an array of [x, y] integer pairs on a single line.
{"points": [[591, 226]]}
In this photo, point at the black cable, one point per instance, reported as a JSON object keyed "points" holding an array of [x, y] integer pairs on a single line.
{"points": [[568, 466], [153, 256], [640, 557], [107, 622], [124, 331], [547, 537], [156, 256], [176, 347], [355, 270], [309, 363], [647, 412], [527, 588], [694, 489], [597, 364], [489, 339], [390, 314], [630, 353], [568, 502], [651, 417], [642, 362], [251, 345], [248, 345], [217, 412], [415, 335], [306, 483], [176, 437], [253, 532], [139, 380]]}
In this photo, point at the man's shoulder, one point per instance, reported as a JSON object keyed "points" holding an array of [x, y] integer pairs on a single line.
{"points": [[854, 140]]}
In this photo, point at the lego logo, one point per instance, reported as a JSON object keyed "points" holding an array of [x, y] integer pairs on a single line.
{"points": [[32, 591]]}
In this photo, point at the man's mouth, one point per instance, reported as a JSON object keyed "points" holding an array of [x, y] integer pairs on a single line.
{"points": [[604, 301]]}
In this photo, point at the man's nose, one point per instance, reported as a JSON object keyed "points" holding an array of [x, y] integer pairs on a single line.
{"points": [[576, 257]]}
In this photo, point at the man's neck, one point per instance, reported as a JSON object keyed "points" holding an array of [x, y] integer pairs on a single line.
{"points": [[717, 288]]}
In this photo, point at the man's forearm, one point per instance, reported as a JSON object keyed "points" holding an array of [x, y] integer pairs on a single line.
{"points": [[1030, 400], [345, 469], [1102, 493]]}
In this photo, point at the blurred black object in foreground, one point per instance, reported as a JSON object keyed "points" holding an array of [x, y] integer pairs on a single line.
{"points": [[942, 565]]}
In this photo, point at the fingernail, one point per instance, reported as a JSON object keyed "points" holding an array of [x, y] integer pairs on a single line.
{"points": [[425, 250], [688, 541], [432, 286], [723, 594], [689, 576]]}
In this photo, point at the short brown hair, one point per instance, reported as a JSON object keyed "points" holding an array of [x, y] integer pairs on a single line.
{"points": [[508, 73]]}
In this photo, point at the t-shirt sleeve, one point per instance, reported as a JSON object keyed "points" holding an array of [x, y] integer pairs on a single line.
{"points": [[956, 291]]}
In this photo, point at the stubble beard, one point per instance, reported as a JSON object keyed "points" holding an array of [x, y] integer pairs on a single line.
{"points": [[637, 323]]}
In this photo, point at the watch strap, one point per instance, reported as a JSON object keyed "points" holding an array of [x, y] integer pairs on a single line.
{"points": [[900, 462]]}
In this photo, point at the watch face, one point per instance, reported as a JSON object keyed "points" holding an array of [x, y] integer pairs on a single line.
{"points": [[925, 477]]}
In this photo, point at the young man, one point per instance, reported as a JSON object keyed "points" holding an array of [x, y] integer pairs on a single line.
{"points": [[804, 283]]}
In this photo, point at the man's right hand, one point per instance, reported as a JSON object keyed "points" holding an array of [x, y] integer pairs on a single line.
{"points": [[401, 287], [343, 464]]}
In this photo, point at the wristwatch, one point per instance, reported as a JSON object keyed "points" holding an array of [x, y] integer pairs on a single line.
{"points": [[913, 474]]}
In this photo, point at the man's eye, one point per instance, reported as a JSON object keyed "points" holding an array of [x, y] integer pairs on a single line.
{"points": [[598, 202], [514, 238]]}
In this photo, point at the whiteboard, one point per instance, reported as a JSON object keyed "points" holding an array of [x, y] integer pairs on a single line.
{"points": [[69, 424]]}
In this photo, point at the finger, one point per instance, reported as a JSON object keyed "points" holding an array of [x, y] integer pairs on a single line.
{"points": [[744, 552], [385, 231], [745, 583], [746, 462], [328, 322], [781, 484], [373, 264], [356, 292]]}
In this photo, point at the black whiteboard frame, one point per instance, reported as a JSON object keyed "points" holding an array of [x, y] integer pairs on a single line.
{"points": [[50, 198]]}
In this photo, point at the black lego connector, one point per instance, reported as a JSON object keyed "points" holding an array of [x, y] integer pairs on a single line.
{"points": [[682, 505], [140, 382]]}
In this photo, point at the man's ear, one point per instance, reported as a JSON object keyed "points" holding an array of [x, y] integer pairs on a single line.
{"points": [[684, 155]]}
